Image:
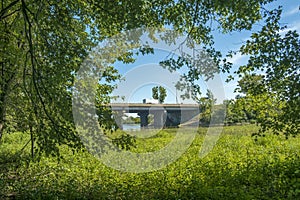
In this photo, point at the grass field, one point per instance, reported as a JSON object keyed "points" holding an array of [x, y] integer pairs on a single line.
{"points": [[237, 168]]}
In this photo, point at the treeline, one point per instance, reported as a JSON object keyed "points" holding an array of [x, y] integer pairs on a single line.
{"points": [[131, 120]]}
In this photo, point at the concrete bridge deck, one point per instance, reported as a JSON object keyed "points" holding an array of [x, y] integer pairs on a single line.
{"points": [[136, 107], [165, 115]]}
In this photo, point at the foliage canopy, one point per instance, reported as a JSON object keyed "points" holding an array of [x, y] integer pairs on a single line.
{"points": [[43, 43]]}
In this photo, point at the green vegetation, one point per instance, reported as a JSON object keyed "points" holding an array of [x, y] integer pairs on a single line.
{"points": [[274, 91], [159, 93], [239, 167], [43, 46], [131, 120]]}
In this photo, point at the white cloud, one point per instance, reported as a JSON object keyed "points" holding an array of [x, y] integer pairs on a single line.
{"points": [[237, 59], [294, 26], [292, 11]]}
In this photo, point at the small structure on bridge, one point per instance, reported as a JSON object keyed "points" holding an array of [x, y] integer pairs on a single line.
{"points": [[150, 101]]}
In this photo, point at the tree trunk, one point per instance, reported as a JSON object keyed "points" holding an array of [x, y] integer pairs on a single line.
{"points": [[32, 142], [6, 81], [2, 114], [1, 129]]}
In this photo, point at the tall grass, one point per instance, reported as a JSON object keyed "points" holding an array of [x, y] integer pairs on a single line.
{"points": [[238, 167]]}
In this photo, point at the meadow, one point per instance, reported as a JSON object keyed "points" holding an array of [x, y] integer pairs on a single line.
{"points": [[238, 167]]}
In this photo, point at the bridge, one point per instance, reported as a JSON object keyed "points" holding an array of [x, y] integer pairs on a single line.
{"points": [[165, 115]]}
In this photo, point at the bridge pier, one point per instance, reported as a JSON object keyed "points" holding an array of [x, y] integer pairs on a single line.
{"points": [[159, 118], [144, 118], [173, 119]]}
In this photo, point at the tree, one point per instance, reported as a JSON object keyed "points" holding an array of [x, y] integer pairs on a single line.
{"points": [[43, 44], [275, 53], [240, 110], [159, 93], [198, 22], [206, 106]]}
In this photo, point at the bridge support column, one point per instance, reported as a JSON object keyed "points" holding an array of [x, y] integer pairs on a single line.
{"points": [[159, 118], [144, 118], [173, 119]]}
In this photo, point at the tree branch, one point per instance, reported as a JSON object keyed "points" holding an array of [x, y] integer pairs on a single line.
{"points": [[3, 11], [3, 17], [28, 34]]}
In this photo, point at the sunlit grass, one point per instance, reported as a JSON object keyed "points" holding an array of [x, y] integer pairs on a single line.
{"points": [[238, 167]]}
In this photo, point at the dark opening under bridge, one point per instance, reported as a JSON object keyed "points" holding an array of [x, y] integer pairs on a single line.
{"points": [[165, 115]]}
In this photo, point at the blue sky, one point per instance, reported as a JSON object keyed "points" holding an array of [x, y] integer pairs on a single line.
{"points": [[145, 73]]}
